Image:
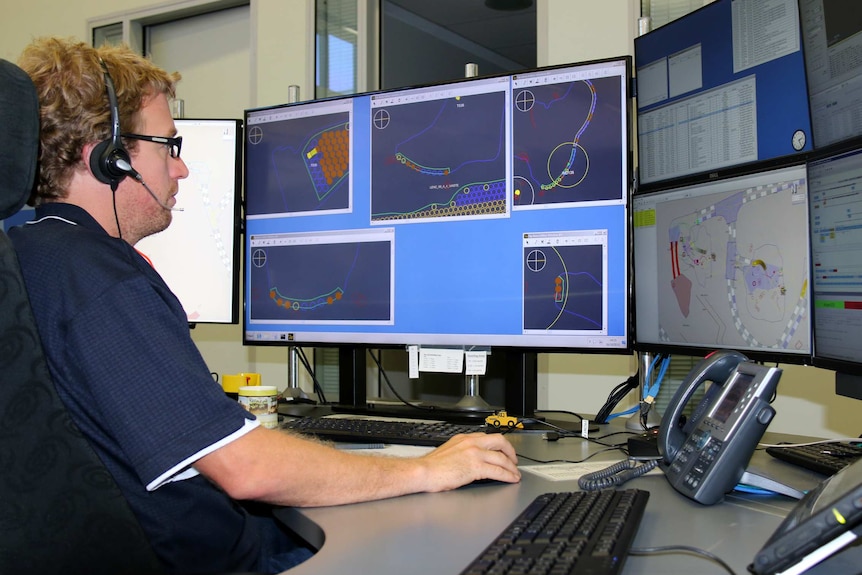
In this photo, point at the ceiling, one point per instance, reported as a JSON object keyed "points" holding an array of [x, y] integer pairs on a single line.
{"points": [[510, 34]]}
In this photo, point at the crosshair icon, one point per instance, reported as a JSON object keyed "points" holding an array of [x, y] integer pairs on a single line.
{"points": [[255, 135], [381, 119], [524, 100], [258, 258], [536, 260]]}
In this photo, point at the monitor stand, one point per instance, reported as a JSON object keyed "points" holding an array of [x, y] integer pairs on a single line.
{"points": [[472, 401], [848, 385], [293, 392], [520, 394]]}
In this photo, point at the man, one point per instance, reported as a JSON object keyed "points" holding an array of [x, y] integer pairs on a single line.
{"points": [[189, 460]]}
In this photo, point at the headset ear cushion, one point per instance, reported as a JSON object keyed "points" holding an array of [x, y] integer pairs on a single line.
{"points": [[103, 162]]}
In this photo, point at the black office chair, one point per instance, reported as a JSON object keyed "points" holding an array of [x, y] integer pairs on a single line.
{"points": [[60, 510]]}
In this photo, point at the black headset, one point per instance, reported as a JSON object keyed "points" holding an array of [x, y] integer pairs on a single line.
{"points": [[109, 160]]}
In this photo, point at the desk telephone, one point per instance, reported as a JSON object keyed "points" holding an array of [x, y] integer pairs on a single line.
{"points": [[706, 456]]}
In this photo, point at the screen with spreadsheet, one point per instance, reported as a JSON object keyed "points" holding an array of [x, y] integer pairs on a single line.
{"points": [[484, 212], [721, 87], [835, 187], [832, 38]]}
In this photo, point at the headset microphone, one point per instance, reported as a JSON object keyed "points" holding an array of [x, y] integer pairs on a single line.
{"points": [[127, 168]]}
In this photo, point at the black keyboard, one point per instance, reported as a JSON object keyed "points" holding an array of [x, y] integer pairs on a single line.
{"points": [[826, 458], [350, 430], [567, 533]]}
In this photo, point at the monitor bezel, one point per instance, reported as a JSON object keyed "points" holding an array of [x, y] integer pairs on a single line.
{"points": [[839, 365], [731, 170], [237, 210], [765, 355]]}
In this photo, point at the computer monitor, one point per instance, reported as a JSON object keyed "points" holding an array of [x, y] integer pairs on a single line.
{"points": [[198, 254], [832, 37], [724, 264], [488, 212], [835, 190], [718, 88]]}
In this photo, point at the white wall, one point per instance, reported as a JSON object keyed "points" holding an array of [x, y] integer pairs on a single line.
{"points": [[568, 30]]}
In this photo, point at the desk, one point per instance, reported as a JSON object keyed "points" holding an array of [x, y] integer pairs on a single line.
{"points": [[441, 533]]}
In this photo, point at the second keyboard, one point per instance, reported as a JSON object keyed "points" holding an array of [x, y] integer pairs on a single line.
{"points": [[567, 533], [351, 430], [825, 458]]}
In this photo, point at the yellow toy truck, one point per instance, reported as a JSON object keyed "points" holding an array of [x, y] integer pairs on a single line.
{"points": [[502, 419]]}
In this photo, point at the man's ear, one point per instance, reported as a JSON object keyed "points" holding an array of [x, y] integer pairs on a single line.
{"points": [[109, 162], [86, 154]]}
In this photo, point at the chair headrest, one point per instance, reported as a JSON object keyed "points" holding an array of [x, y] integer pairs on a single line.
{"points": [[19, 137]]}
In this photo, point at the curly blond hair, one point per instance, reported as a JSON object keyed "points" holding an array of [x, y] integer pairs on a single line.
{"points": [[74, 103]]}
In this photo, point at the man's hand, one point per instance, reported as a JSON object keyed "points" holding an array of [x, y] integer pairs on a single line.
{"points": [[467, 458]]}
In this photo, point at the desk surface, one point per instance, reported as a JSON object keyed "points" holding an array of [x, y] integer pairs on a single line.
{"points": [[441, 533]]}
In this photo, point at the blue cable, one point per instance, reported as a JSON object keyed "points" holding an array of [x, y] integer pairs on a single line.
{"points": [[742, 488], [655, 387], [626, 412]]}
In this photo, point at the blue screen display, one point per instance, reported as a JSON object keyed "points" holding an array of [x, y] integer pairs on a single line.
{"points": [[486, 212]]}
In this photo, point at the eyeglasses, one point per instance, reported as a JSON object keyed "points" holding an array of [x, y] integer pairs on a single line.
{"points": [[174, 144]]}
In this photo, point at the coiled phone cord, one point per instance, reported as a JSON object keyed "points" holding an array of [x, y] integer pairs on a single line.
{"points": [[616, 474]]}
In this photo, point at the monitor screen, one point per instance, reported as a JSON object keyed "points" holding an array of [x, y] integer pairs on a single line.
{"points": [[724, 264], [832, 38], [485, 212], [198, 254], [835, 188], [720, 87]]}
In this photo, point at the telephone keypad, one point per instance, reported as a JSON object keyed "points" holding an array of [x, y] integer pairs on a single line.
{"points": [[709, 448]]}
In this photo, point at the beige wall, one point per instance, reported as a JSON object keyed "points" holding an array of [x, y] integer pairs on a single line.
{"points": [[568, 30], [280, 32], [49, 17]]}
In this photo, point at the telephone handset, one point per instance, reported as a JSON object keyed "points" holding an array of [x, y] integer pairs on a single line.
{"points": [[705, 457]]}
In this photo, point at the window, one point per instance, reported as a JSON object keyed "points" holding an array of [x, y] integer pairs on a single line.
{"points": [[336, 45], [110, 34]]}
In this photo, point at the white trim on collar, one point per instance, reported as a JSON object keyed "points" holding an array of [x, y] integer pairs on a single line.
{"points": [[42, 219]]}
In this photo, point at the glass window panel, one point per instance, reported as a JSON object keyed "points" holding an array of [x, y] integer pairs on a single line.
{"points": [[335, 47], [110, 34]]}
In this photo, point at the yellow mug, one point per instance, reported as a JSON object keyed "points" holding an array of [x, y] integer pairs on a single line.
{"points": [[232, 383], [251, 378]]}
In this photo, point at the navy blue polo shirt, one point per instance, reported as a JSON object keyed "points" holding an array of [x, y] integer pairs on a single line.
{"points": [[118, 347]]}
